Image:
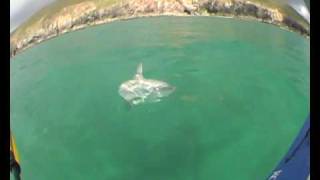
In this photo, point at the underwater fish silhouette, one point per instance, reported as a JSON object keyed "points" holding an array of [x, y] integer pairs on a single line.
{"points": [[140, 90]]}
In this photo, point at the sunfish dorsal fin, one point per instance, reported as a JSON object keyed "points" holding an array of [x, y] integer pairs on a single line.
{"points": [[139, 74], [139, 69]]}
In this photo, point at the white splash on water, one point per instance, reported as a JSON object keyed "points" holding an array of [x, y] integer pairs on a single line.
{"points": [[140, 90]]}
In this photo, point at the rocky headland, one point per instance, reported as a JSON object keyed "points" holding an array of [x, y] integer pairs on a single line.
{"points": [[47, 24]]}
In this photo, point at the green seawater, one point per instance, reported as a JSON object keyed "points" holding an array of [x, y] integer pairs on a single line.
{"points": [[242, 95]]}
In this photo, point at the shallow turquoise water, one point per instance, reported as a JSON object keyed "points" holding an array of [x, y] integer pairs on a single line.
{"points": [[242, 95]]}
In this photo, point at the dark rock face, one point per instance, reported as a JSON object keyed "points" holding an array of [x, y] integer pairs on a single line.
{"points": [[290, 22], [216, 7], [238, 8], [13, 49], [251, 10], [263, 13]]}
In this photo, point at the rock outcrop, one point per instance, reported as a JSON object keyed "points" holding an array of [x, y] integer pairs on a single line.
{"points": [[88, 13]]}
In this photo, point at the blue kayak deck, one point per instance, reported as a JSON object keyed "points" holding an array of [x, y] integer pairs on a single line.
{"points": [[296, 163]]}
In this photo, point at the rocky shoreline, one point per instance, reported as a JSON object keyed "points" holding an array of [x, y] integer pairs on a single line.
{"points": [[87, 13]]}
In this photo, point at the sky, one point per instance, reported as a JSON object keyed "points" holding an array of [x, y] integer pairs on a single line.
{"points": [[301, 7], [21, 10]]}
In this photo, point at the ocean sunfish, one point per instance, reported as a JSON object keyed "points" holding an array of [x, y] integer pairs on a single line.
{"points": [[139, 89]]}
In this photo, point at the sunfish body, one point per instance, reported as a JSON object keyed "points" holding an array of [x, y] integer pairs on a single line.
{"points": [[139, 89]]}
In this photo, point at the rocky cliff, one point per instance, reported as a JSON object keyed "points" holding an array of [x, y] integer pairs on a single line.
{"points": [[86, 13]]}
